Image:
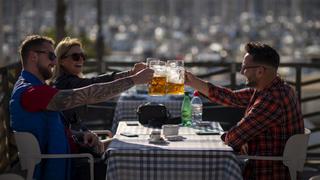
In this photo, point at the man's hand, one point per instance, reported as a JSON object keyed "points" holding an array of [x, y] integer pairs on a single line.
{"points": [[188, 78], [90, 139], [142, 77], [138, 67], [196, 83], [244, 149]]}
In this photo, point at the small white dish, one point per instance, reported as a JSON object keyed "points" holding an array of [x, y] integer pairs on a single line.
{"points": [[170, 129]]}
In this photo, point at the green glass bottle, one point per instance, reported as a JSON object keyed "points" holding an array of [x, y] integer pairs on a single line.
{"points": [[186, 111]]}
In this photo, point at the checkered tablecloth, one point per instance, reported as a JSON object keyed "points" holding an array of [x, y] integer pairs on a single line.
{"points": [[196, 157], [127, 107], [144, 130]]}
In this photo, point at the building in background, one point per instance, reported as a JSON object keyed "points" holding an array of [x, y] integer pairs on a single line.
{"points": [[194, 30]]}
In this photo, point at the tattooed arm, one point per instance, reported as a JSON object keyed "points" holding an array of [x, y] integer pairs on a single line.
{"points": [[123, 74], [95, 93]]}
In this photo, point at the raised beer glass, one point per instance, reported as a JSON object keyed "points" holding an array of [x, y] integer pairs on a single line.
{"points": [[157, 86], [175, 77]]}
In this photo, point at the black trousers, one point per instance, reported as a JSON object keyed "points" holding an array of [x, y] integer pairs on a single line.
{"points": [[81, 169]]}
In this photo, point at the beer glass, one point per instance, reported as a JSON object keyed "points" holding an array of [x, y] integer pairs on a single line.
{"points": [[175, 77], [157, 86]]}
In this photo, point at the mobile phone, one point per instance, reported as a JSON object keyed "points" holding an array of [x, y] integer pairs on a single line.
{"points": [[132, 124], [128, 134], [208, 132]]}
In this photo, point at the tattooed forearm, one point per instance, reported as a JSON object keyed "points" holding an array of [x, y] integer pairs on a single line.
{"points": [[122, 74], [95, 93]]}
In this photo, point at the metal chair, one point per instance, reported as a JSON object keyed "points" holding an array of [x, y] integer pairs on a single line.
{"points": [[315, 177], [10, 176], [294, 154], [226, 116], [98, 116], [30, 155]]}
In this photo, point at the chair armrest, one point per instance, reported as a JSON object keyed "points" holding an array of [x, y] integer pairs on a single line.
{"points": [[271, 158], [101, 107], [51, 156], [82, 155], [103, 132]]}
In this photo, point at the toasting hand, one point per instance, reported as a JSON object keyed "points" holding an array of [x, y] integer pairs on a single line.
{"points": [[142, 77]]}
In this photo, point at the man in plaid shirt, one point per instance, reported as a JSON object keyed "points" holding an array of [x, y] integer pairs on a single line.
{"points": [[272, 115]]}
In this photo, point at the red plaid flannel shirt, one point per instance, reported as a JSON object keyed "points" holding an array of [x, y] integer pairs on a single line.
{"points": [[272, 116]]}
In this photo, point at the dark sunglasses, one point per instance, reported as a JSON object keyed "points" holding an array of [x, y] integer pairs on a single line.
{"points": [[75, 56], [249, 67], [51, 55]]}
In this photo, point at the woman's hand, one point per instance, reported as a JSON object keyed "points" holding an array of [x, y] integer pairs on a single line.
{"points": [[90, 139]]}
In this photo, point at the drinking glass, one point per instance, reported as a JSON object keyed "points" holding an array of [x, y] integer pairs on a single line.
{"points": [[175, 77], [157, 86]]}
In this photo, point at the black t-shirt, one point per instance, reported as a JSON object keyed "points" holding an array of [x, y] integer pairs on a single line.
{"points": [[69, 81]]}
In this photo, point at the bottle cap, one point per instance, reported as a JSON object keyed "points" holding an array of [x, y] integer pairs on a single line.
{"points": [[196, 93]]}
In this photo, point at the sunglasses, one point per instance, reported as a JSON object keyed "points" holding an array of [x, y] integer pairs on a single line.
{"points": [[51, 55], [248, 67], [75, 56]]}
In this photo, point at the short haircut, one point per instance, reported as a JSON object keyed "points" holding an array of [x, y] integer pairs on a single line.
{"points": [[263, 54], [32, 42]]}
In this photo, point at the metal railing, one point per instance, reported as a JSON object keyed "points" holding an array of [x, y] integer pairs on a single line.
{"points": [[232, 68], [8, 153]]}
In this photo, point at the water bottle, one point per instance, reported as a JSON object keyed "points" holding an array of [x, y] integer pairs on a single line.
{"points": [[186, 110], [196, 106]]}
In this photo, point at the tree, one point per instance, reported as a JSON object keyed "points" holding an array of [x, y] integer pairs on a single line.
{"points": [[61, 9], [99, 39], [1, 34]]}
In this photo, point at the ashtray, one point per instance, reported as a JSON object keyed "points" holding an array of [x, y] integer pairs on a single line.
{"points": [[174, 138], [157, 141]]}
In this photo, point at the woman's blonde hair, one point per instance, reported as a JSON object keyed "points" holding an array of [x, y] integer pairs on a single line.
{"points": [[61, 50]]}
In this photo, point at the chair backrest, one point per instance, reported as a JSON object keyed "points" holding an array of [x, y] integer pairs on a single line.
{"points": [[98, 116], [226, 116], [315, 177], [27, 146], [10, 176], [295, 151]]}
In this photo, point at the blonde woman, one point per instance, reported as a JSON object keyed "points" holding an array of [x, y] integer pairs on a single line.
{"points": [[68, 74]]}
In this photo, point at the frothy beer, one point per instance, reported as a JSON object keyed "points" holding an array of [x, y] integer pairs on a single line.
{"points": [[175, 77], [168, 77], [157, 86], [175, 89]]}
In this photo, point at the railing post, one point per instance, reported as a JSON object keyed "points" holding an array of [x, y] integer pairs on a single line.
{"points": [[298, 81], [233, 73]]}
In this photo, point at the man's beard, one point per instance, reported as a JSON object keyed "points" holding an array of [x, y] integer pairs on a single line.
{"points": [[251, 83], [45, 73]]}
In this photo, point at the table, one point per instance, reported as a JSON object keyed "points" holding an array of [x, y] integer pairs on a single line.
{"points": [[127, 105], [197, 157]]}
